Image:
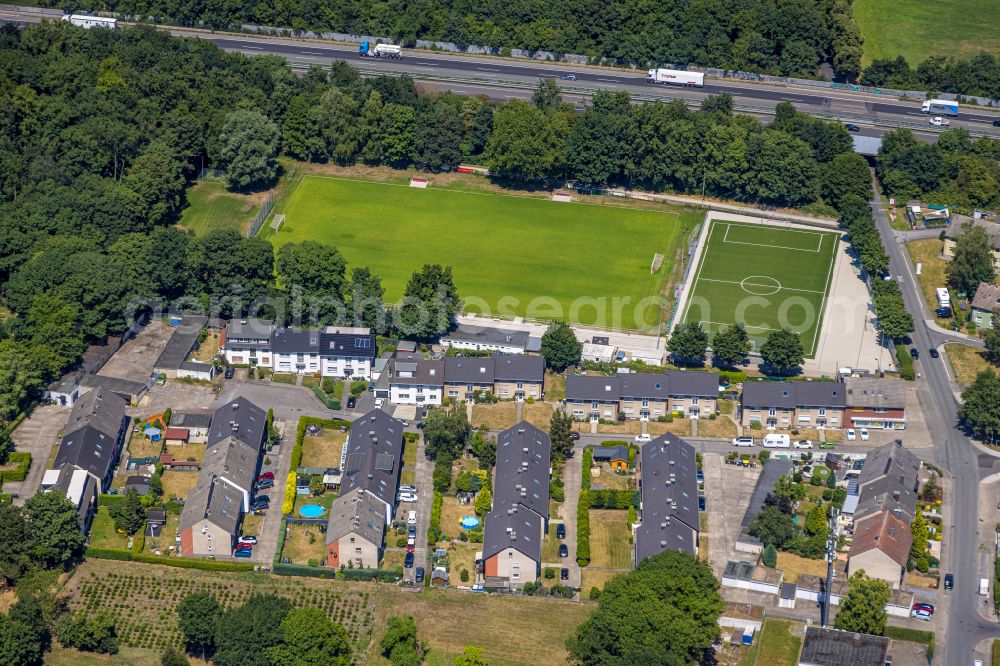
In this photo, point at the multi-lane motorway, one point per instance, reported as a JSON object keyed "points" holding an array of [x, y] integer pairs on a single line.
{"points": [[507, 78]]}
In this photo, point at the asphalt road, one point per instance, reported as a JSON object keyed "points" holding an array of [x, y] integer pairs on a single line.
{"points": [[494, 77], [965, 462]]}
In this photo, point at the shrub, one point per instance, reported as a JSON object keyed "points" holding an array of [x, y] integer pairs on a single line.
{"points": [[556, 490], [289, 502], [442, 473], [22, 462], [588, 464], [401, 542], [769, 557], [550, 573], [905, 363], [631, 515], [764, 456], [583, 529], [434, 530], [464, 576]]}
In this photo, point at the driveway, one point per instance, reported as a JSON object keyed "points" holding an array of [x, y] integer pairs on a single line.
{"points": [[425, 501], [267, 540], [37, 435], [727, 495], [572, 474]]}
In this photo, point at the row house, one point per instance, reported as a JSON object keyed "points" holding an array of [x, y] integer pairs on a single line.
{"points": [[669, 498], [788, 405], [488, 338], [411, 380], [642, 396], [875, 403], [333, 352]]}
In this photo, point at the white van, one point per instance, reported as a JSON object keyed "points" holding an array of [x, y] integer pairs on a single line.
{"points": [[774, 441]]}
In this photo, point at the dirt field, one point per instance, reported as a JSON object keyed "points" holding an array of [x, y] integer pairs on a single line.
{"points": [[178, 484], [497, 416], [538, 414], [191, 452], [323, 450]]}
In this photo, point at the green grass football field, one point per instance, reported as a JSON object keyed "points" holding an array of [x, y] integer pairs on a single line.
{"points": [[916, 29], [765, 277], [516, 255]]}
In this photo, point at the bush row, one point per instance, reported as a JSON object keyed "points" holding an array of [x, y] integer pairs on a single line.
{"points": [[124, 555], [583, 528], [288, 503], [23, 461], [905, 363], [613, 499], [588, 464], [324, 398], [434, 531]]}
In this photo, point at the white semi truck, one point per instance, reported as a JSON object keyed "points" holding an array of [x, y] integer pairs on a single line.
{"points": [[89, 22], [940, 107], [676, 77], [369, 50]]}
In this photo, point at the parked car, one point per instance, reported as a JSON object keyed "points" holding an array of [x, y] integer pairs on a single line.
{"points": [[574, 436], [996, 123], [827, 445], [949, 581], [851, 435], [260, 503], [411, 530], [561, 531], [802, 444], [419, 577], [701, 502], [563, 550], [408, 498], [244, 546], [700, 476], [922, 611], [408, 562], [264, 484], [243, 552], [411, 518], [407, 488], [852, 128], [266, 475], [564, 574], [379, 402], [644, 437], [248, 538], [352, 402], [943, 312], [411, 543], [230, 371], [933, 352], [161, 379], [420, 425], [865, 436], [743, 441]]}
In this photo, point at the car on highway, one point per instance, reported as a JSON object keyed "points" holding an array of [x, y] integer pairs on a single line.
{"points": [[938, 121], [743, 441], [411, 518], [564, 574], [851, 435], [865, 435], [933, 352], [802, 444], [996, 123], [852, 128], [643, 438], [561, 531], [949, 581], [568, 77], [408, 562], [563, 550]]}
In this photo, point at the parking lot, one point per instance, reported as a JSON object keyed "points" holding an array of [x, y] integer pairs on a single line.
{"points": [[727, 494], [38, 435]]}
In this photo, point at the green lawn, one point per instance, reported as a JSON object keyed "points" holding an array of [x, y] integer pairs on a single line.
{"points": [[777, 646], [512, 254], [916, 29], [765, 277], [211, 206]]}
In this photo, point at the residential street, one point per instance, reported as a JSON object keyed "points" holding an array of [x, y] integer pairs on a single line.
{"points": [[967, 462]]}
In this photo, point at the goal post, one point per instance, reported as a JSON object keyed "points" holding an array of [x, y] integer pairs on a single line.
{"points": [[657, 263], [277, 222]]}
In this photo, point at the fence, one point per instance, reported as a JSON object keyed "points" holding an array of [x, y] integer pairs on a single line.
{"points": [[261, 216]]}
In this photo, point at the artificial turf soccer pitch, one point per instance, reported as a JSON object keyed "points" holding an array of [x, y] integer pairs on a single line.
{"points": [[514, 248], [765, 277]]}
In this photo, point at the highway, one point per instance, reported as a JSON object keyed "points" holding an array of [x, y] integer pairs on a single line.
{"points": [[504, 78], [963, 459]]}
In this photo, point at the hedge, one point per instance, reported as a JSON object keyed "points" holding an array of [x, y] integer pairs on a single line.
{"points": [[588, 463], [289, 501], [124, 555], [435, 527], [912, 636], [303, 570], [19, 473], [411, 436], [368, 574], [324, 398], [583, 529], [613, 499]]}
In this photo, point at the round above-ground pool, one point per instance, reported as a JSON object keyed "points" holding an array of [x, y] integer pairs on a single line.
{"points": [[311, 511], [470, 522]]}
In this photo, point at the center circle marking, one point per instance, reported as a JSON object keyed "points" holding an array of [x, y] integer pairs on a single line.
{"points": [[760, 285]]}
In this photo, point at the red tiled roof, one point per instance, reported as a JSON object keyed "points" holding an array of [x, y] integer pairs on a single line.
{"points": [[176, 433], [884, 531]]}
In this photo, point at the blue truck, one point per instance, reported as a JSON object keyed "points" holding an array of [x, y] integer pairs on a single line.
{"points": [[369, 50]]}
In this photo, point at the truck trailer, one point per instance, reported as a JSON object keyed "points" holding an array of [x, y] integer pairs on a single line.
{"points": [[676, 77], [940, 107], [368, 50], [89, 22]]}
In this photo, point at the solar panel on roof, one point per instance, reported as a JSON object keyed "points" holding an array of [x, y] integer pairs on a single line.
{"points": [[362, 343]]}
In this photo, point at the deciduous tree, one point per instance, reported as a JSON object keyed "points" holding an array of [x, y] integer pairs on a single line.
{"points": [[248, 146], [310, 638], [973, 261], [430, 303], [980, 410], [687, 344], [560, 347], [731, 346], [863, 609], [561, 434], [783, 351]]}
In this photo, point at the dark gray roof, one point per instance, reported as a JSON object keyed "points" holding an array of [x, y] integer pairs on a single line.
{"points": [[124, 388], [521, 475], [374, 456], [585, 387], [423, 373], [347, 344], [462, 370], [249, 329], [215, 500], [295, 341], [359, 512], [669, 487], [657, 386], [191, 420], [534, 344], [773, 470], [234, 460], [832, 647], [889, 481], [787, 590], [195, 366], [512, 526], [875, 393], [92, 433], [240, 418], [523, 368], [181, 342], [611, 453], [789, 395], [487, 335]]}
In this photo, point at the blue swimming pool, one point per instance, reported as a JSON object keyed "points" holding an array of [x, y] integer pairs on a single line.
{"points": [[311, 511], [470, 522]]}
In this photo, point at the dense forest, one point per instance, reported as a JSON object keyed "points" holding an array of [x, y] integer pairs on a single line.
{"points": [[101, 133], [784, 37]]}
